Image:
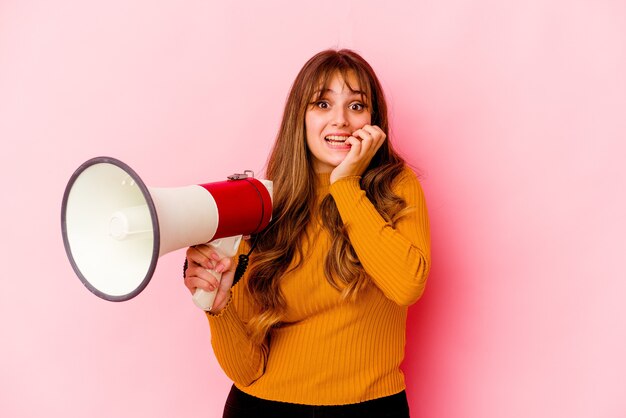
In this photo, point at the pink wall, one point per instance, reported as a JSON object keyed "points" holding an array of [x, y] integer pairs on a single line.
{"points": [[515, 113]]}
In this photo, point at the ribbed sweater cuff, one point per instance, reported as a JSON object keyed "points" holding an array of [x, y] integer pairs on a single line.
{"points": [[226, 320], [220, 313]]}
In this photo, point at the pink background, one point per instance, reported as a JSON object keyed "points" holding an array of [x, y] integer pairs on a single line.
{"points": [[515, 113]]}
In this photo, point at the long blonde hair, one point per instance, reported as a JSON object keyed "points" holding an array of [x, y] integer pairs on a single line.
{"points": [[290, 168]]}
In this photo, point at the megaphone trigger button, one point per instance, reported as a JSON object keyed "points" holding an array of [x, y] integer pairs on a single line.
{"points": [[237, 176], [241, 176]]}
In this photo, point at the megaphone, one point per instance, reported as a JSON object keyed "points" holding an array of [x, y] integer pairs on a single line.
{"points": [[115, 228]]}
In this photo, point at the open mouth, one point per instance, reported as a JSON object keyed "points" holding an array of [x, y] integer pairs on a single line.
{"points": [[337, 140]]}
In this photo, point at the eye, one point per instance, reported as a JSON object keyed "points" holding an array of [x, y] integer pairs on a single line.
{"points": [[357, 106], [322, 104]]}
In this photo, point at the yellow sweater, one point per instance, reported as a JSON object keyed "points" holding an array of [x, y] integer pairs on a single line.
{"points": [[329, 351]]}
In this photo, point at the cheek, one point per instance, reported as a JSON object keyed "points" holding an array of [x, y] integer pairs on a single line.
{"points": [[309, 131], [309, 124], [363, 119], [312, 121]]}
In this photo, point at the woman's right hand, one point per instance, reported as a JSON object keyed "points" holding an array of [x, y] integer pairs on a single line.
{"points": [[201, 260]]}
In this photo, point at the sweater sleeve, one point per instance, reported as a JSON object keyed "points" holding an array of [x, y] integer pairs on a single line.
{"points": [[242, 360], [396, 258]]}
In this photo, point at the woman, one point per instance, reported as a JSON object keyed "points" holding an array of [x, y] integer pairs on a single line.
{"points": [[317, 325]]}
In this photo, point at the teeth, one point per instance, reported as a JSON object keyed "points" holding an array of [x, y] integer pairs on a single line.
{"points": [[336, 138]]}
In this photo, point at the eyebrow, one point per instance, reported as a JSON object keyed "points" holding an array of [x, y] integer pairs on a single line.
{"points": [[321, 92]]}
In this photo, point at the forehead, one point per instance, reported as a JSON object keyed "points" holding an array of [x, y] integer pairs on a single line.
{"points": [[342, 82]]}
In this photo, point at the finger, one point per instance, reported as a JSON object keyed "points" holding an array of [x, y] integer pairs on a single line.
{"points": [[375, 131], [224, 264], [365, 141], [194, 282], [377, 135], [200, 257], [211, 254], [364, 135], [206, 256], [203, 278], [355, 147], [219, 262]]}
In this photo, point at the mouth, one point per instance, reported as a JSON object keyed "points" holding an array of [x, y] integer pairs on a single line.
{"points": [[338, 141]]}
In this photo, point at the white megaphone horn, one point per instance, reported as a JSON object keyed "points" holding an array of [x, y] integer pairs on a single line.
{"points": [[115, 228]]}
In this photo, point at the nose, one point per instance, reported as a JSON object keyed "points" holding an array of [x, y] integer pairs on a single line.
{"points": [[339, 117]]}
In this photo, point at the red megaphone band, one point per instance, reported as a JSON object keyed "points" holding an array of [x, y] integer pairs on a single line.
{"points": [[244, 206]]}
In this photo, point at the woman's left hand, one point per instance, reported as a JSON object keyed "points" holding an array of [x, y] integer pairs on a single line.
{"points": [[364, 143]]}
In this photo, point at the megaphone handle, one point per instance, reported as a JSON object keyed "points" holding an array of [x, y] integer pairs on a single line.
{"points": [[226, 247], [203, 299]]}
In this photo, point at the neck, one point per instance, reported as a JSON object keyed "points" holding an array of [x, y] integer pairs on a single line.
{"points": [[322, 179]]}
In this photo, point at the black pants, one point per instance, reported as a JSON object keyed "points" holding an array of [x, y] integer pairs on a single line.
{"points": [[242, 405]]}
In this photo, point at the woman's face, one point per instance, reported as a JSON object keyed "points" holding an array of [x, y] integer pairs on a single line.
{"points": [[331, 119]]}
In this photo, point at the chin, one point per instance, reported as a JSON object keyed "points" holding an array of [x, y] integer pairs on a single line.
{"points": [[335, 162]]}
